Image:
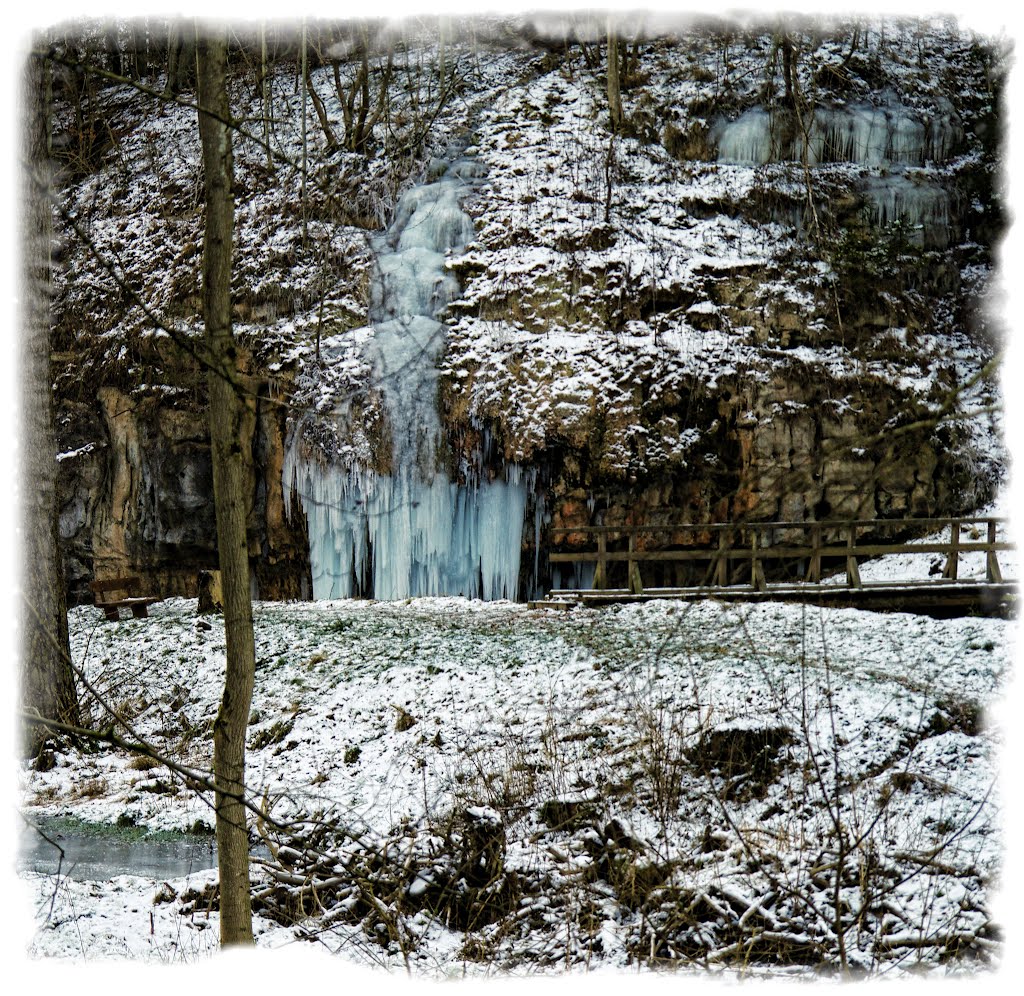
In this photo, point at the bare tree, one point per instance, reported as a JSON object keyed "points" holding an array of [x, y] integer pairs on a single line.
{"points": [[614, 86], [318, 104], [360, 110], [265, 92], [175, 54], [47, 681], [230, 464]]}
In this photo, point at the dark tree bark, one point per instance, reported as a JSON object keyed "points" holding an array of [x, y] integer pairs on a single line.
{"points": [[47, 679], [231, 458], [614, 87], [138, 34], [266, 95], [321, 113], [112, 42], [174, 54], [788, 64]]}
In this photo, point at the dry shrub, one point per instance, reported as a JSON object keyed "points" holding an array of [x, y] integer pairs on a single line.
{"points": [[91, 789], [749, 758], [143, 763]]}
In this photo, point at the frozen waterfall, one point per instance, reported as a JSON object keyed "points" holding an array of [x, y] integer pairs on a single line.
{"points": [[860, 133], [917, 200], [414, 531]]}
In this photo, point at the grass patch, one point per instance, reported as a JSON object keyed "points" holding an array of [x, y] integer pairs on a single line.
{"points": [[273, 734]]}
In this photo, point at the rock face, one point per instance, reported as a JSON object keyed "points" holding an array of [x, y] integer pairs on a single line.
{"points": [[139, 500], [781, 450], [713, 314], [136, 487]]}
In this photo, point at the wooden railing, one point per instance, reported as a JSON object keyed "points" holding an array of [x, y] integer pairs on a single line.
{"points": [[837, 544]]}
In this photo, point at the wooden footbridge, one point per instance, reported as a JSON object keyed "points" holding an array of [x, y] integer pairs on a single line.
{"points": [[813, 562]]}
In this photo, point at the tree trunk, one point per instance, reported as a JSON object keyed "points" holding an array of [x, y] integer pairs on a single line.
{"points": [[614, 89], [442, 65], [788, 63], [230, 466], [174, 52], [265, 91], [139, 34], [112, 43], [302, 182], [47, 680], [321, 113]]}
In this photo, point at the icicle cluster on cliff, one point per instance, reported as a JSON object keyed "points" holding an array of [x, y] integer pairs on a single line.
{"points": [[414, 531]]}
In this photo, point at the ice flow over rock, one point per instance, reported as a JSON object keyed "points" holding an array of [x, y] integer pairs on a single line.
{"points": [[414, 531]]}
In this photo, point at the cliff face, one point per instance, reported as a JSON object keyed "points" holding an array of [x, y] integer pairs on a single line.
{"points": [[137, 498], [781, 453], [761, 297]]}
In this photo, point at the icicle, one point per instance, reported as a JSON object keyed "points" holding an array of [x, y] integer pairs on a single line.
{"points": [[411, 537], [919, 202], [747, 141], [538, 523], [862, 133]]}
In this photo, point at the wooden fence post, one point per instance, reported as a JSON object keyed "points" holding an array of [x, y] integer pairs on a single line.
{"points": [[953, 560], [722, 563], [852, 570], [814, 564], [992, 572], [756, 573], [601, 571], [636, 586]]}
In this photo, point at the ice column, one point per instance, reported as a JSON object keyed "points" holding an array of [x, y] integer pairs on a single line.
{"points": [[414, 531]]}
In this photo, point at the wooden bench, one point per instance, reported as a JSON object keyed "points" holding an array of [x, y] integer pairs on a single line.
{"points": [[112, 594]]}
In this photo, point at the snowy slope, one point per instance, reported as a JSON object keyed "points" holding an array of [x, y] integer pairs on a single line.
{"points": [[605, 714]]}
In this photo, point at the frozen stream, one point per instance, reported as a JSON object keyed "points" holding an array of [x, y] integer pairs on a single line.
{"points": [[414, 531], [94, 852]]}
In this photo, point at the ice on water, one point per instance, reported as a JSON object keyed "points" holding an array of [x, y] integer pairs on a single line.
{"points": [[414, 531]]}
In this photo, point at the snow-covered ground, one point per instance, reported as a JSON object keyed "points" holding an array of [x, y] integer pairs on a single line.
{"points": [[394, 720]]}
